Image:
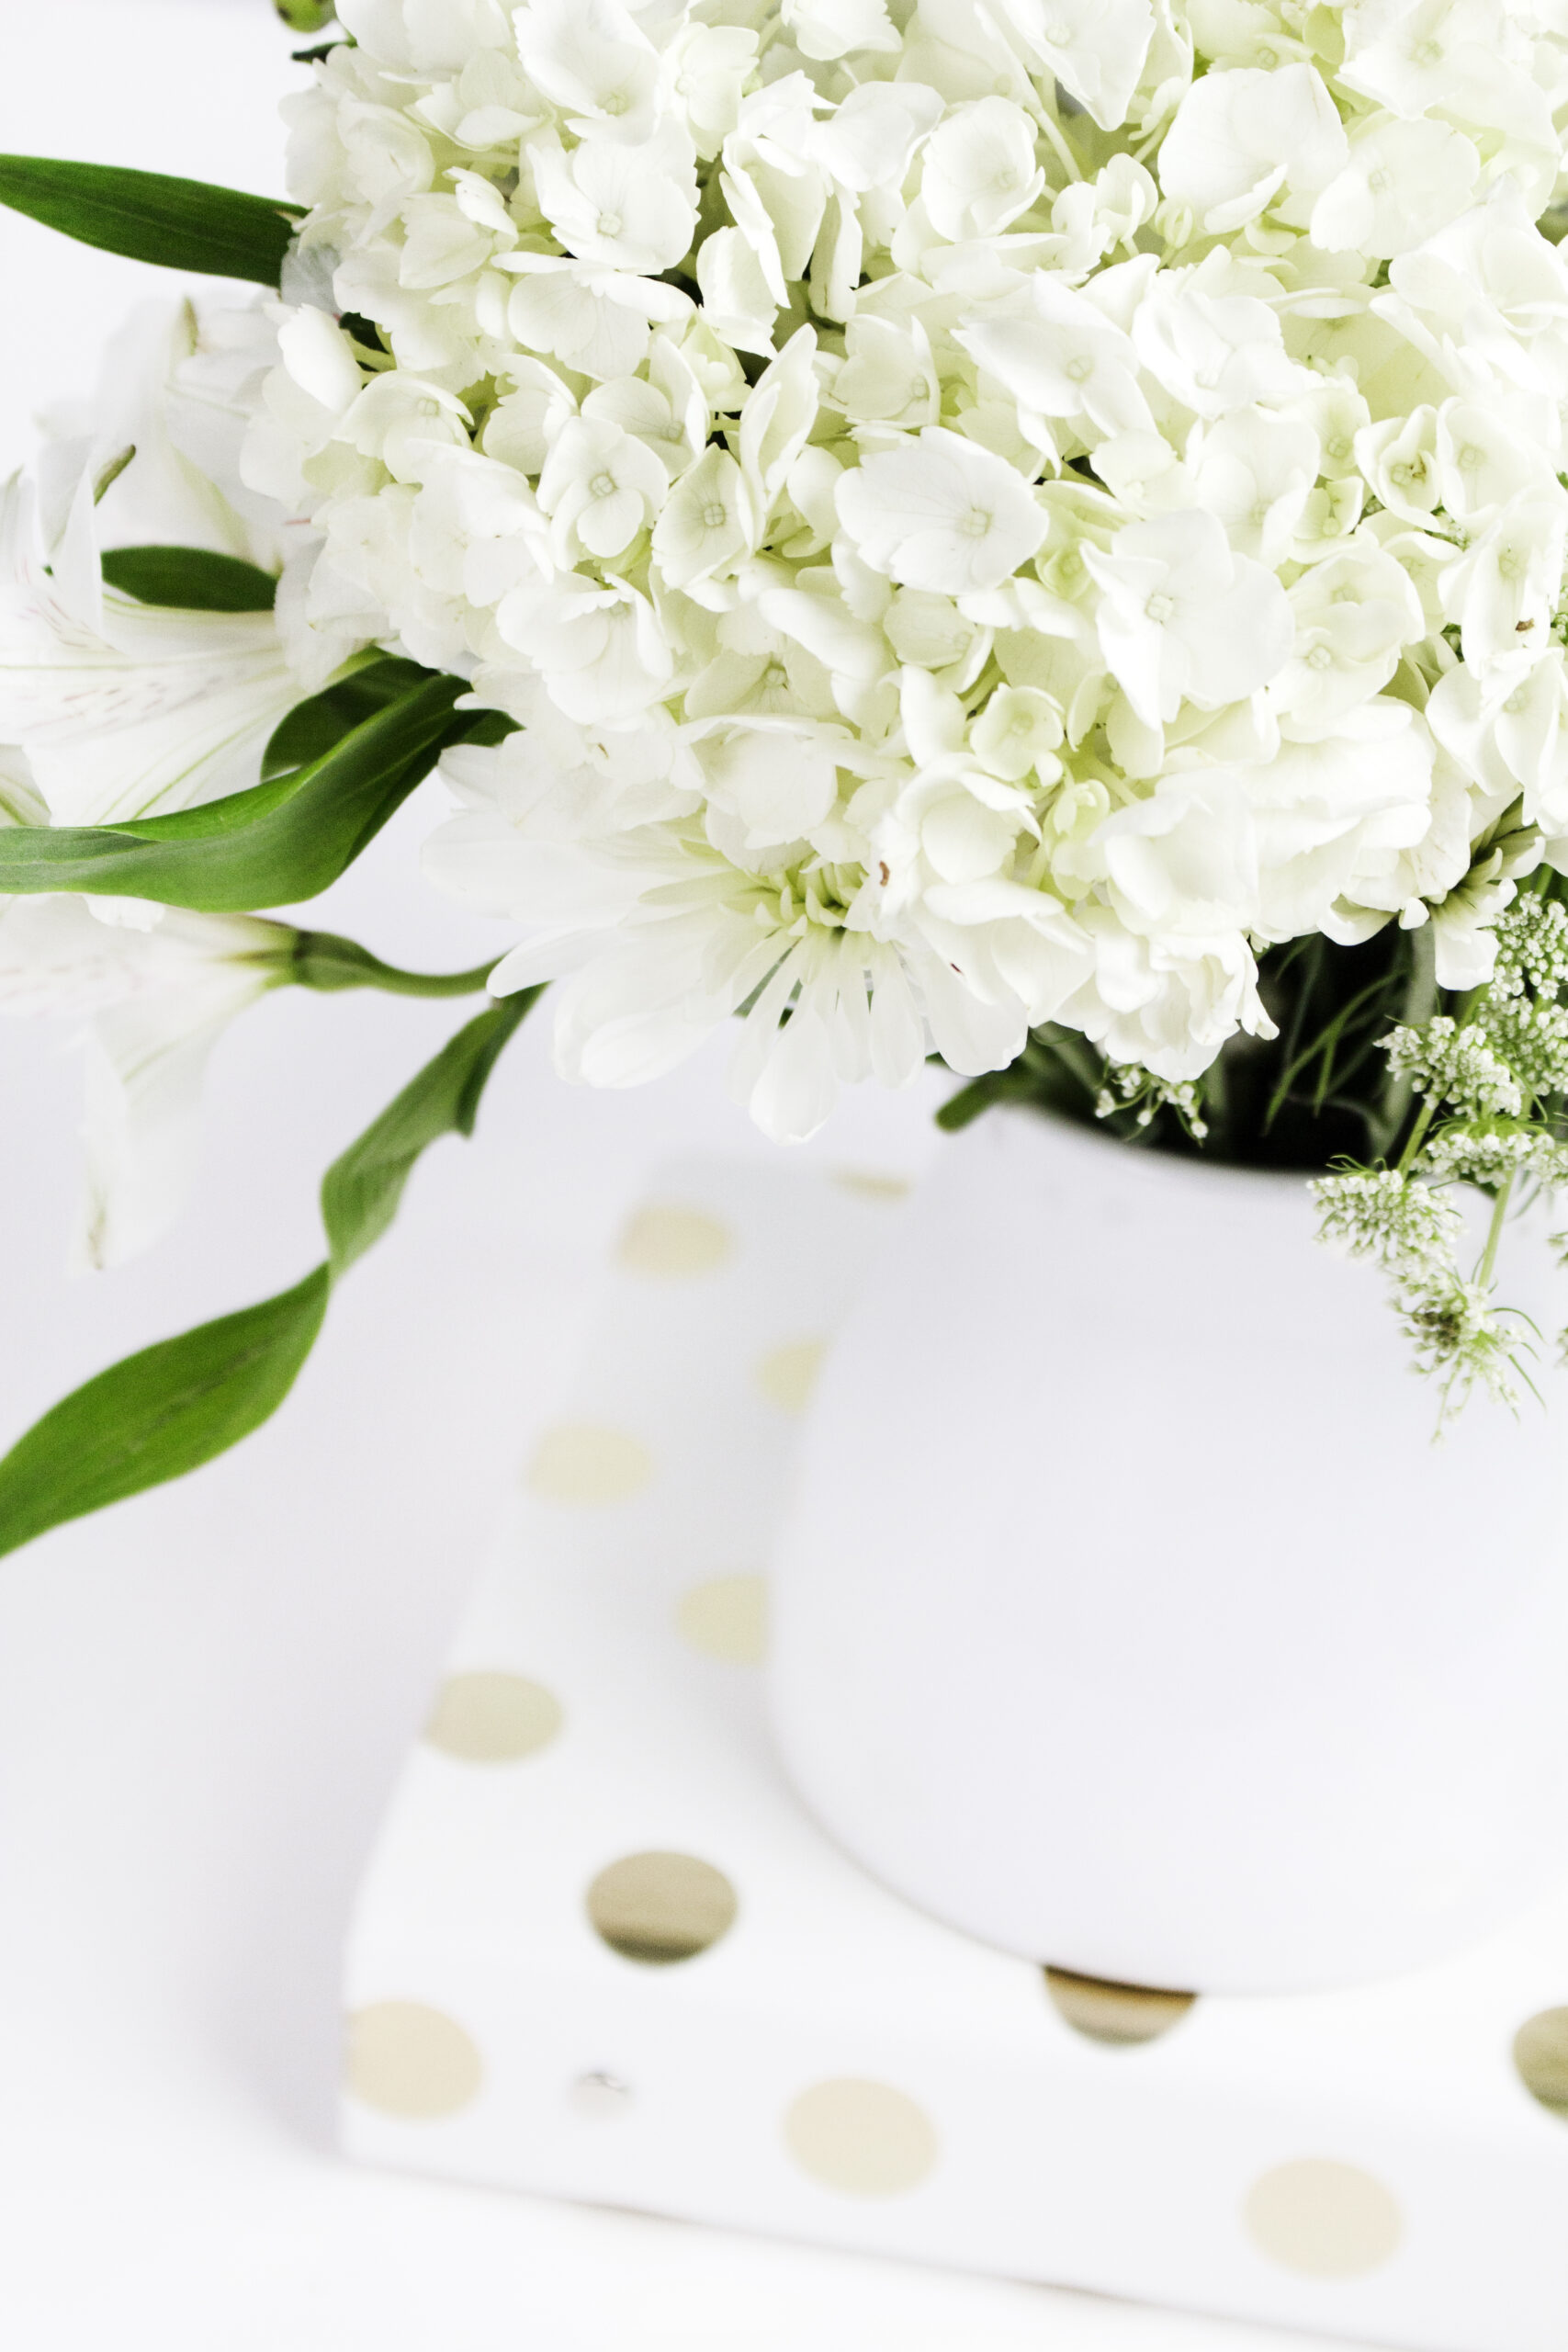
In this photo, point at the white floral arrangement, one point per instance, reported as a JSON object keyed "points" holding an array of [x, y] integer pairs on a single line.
{"points": [[1027, 532]]}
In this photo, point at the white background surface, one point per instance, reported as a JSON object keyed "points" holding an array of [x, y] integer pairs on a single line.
{"points": [[204, 1694]]}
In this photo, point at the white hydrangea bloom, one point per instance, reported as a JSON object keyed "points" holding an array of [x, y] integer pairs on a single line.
{"points": [[984, 515]]}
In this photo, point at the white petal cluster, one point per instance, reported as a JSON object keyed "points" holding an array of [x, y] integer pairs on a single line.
{"points": [[158, 987], [112, 709], [985, 514], [124, 709]]}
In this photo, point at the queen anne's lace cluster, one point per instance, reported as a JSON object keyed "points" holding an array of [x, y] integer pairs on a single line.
{"points": [[1130, 1088], [1491, 1090], [1455, 1065], [1409, 1230], [987, 513]]}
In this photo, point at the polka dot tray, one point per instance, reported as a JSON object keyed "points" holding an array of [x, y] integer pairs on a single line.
{"points": [[603, 1954]]}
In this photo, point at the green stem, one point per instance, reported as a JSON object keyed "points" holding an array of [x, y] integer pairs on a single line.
{"points": [[1494, 1234], [1417, 1137], [1420, 1003], [323, 960], [1058, 139], [1077, 1056]]}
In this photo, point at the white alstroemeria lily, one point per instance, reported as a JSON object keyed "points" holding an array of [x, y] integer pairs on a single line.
{"points": [[21, 803], [126, 709], [159, 987], [176, 386]]}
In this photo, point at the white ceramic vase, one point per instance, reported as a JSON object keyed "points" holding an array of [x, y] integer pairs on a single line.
{"points": [[1128, 1616]]}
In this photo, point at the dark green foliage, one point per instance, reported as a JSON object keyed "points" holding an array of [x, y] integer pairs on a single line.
{"points": [[194, 580], [1318, 1093], [361, 1191], [281, 843], [180, 225], [312, 727]]}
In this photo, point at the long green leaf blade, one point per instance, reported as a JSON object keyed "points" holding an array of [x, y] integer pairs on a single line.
{"points": [[278, 843], [313, 726], [192, 580], [361, 1192], [180, 225], [184, 1401], [159, 1413]]}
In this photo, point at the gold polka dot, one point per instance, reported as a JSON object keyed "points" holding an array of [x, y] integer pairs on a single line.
{"points": [[670, 1242], [492, 1718], [410, 2061], [1323, 2219], [788, 1376], [727, 1618], [577, 1461], [1119, 2014], [1540, 2053], [872, 1186], [865, 2138], [661, 1907]]}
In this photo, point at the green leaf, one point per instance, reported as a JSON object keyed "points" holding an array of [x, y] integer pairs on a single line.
{"points": [[312, 727], [182, 1402], [159, 1413], [193, 579], [181, 224], [961, 1110], [281, 842], [361, 1191], [111, 473]]}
